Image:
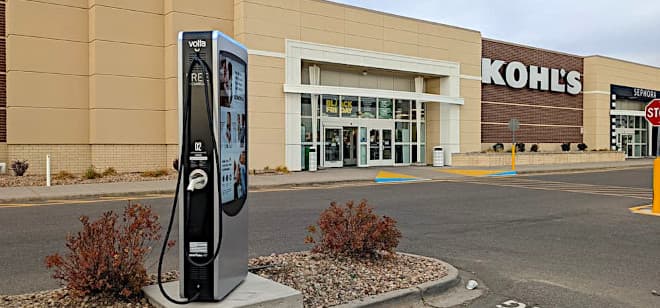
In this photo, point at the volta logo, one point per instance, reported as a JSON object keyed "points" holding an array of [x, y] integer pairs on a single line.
{"points": [[197, 44]]}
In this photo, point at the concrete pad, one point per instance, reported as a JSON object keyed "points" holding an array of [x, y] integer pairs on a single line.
{"points": [[255, 292]]}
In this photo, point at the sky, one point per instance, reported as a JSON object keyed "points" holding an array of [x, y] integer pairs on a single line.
{"points": [[624, 29]]}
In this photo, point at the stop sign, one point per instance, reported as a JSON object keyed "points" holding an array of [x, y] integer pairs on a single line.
{"points": [[652, 112]]}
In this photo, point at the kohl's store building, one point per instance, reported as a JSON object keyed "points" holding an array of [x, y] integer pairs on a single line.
{"points": [[361, 87]]}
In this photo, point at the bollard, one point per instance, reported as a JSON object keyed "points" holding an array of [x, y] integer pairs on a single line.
{"points": [[48, 170], [513, 158]]}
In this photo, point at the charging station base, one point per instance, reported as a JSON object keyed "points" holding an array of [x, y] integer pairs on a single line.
{"points": [[255, 291]]}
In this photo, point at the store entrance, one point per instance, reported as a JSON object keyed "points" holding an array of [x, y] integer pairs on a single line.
{"points": [[332, 153], [350, 146], [380, 147]]}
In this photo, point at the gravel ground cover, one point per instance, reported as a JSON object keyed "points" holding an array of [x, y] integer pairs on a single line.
{"points": [[324, 280], [7, 180]]}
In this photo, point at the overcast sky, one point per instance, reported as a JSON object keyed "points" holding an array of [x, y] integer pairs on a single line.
{"points": [[624, 29]]}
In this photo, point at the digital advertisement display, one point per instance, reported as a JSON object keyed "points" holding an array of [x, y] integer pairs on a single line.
{"points": [[233, 127]]}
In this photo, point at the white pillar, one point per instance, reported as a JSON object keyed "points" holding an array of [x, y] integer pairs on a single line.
{"points": [[419, 88], [48, 170], [450, 116]]}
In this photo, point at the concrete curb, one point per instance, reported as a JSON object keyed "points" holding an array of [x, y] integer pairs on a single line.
{"points": [[413, 295]]}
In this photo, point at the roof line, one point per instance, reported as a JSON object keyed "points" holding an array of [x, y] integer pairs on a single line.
{"points": [[531, 47], [395, 15], [627, 61]]}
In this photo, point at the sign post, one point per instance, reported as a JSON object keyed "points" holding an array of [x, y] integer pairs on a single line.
{"points": [[652, 114], [514, 124]]}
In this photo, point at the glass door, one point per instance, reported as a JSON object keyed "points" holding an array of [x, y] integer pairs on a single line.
{"points": [[350, 146], [380, 147], [332, 151]]}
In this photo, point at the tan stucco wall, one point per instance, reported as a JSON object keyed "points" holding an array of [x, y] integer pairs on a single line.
{"points": [[600, 73], [3, 153]]}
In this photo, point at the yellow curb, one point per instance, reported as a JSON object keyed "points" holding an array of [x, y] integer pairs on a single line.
{"points": [[472, 172], [644, 210], [392, 175]]}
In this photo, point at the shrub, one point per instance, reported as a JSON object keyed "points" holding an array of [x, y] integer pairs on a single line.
{"points": [[91, 174], [63, 175], [534, 148], [566, 147], [498, 147], [282, 169], [582, 146], [520, 147], [353, 231], [109, 171], [19, 167], [155, 173], [107, 256]]}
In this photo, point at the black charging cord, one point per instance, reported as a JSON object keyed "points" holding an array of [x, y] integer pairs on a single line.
{"points": [[184, 146]]}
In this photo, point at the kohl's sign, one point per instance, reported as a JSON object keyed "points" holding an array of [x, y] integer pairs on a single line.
{"points": [[518, 76]]}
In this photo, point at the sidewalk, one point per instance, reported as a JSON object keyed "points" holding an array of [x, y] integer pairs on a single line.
{"points": [[10, 194]]}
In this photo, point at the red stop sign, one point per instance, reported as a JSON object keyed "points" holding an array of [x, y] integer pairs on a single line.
{"points": [[652, 112]]}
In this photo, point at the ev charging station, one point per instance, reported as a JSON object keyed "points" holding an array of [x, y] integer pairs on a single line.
{"points": [[212, 184]]}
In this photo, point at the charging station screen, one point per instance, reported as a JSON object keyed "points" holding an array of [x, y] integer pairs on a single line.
{"points": [[233, 127]]}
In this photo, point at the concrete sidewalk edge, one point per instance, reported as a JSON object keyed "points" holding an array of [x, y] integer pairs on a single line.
{"points": [[408, 296]]}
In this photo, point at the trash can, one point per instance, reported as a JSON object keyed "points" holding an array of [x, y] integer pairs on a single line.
{"points": [[311, 159], [306, 158], [438, 157]]}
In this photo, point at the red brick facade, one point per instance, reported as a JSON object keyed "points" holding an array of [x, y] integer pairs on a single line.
{"points": [[3, 75], [539, 122]]}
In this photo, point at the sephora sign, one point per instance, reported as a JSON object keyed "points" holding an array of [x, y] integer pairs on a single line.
{"points": [[518, 76]]}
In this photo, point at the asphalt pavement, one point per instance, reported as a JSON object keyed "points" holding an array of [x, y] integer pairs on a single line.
{"points": [[558, 240]]}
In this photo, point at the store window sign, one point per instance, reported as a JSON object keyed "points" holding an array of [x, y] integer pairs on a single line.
{"points": [[518, 75], [346, 107], [644, 93], [330, 106]]}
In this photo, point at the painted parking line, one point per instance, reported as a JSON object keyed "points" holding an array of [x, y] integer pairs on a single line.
{"points": [[644, 210], [391, 177]]}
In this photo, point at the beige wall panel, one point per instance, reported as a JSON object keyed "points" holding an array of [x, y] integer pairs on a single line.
{"points": [[365, 30], [450, 32], [364, 43], [433, 41], [268, 28], [55, 90], [471, 89], [264, 61], [171, 65], [266, 136], [401, 36], [324, 23], [266, 120], [46, 20], [150, 6], [172, 127], [285, 4], [171, 94], [176, 21], [221, 9], [128, 26], [111, 58], [323, 37], [363, 16], [47, 126], [74, 3], [433, 53], [119, 92], [113, 126], [264, 104], [401, 23], [323, 8], [267, 89], [44, 55], [473, 70], [401, 48], [4, 154], [271, 14], [274, 158], [125, 157], [261, 42], [63, 157], [470, 142], [266, 74]]}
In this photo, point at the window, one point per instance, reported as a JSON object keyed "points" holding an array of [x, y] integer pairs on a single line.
{"points": [[368, 107], [349, 106], [330, 105], [306, 105], [384, 108], [306, 130], [402, 109]]}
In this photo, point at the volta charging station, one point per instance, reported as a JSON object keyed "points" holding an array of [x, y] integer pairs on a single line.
{"points": [[212, 185]]}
